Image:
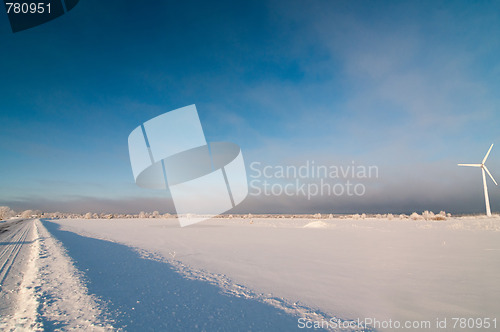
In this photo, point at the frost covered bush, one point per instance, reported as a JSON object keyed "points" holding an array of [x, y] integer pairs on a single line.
{"points": [[440, 216], [403, 216], [88, 215], [390, 216], [363, 216], [428, 215], [27, 214], [415, 216], [6, 213]]}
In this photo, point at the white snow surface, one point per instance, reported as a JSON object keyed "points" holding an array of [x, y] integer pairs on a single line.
{"points": [[41, 286], [403, 270]]}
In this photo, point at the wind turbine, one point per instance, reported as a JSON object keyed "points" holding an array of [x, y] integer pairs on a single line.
{"points": [[484, 168]]}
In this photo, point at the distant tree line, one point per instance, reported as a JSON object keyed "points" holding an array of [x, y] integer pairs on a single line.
{"points": [[7, 213]]}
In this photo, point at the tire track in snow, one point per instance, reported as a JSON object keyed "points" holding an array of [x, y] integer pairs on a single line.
{"points": [[10, 249], [17, 259], [51, 294]]}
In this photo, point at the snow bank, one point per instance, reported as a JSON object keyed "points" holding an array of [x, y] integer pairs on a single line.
{"points": [[316, 224]]}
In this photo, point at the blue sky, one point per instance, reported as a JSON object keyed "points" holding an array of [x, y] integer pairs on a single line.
{"points": [[411, 87]]}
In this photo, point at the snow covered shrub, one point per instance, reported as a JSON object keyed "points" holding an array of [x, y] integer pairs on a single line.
{"points": [[390, 216], [355, 216], [440, 216], [415, 216], [363, 216], [27, 214], [6, 213], [88, 215], [330, 216], [317, 216], [428, 215], [378, 216], [403, 216]]}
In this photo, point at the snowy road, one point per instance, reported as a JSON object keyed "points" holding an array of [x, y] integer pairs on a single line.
{"points": [[40, 287], [13, 235]]}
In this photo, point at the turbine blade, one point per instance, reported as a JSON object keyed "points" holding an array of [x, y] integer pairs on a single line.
{"points": [[487, 154], [491, 176], [472, 165]]}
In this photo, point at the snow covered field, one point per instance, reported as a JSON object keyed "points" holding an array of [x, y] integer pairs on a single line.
{"points": [[275, 271], [385, 269]]}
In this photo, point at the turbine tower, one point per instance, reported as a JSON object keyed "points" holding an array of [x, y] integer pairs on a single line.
{"points": [[483, 169]]}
